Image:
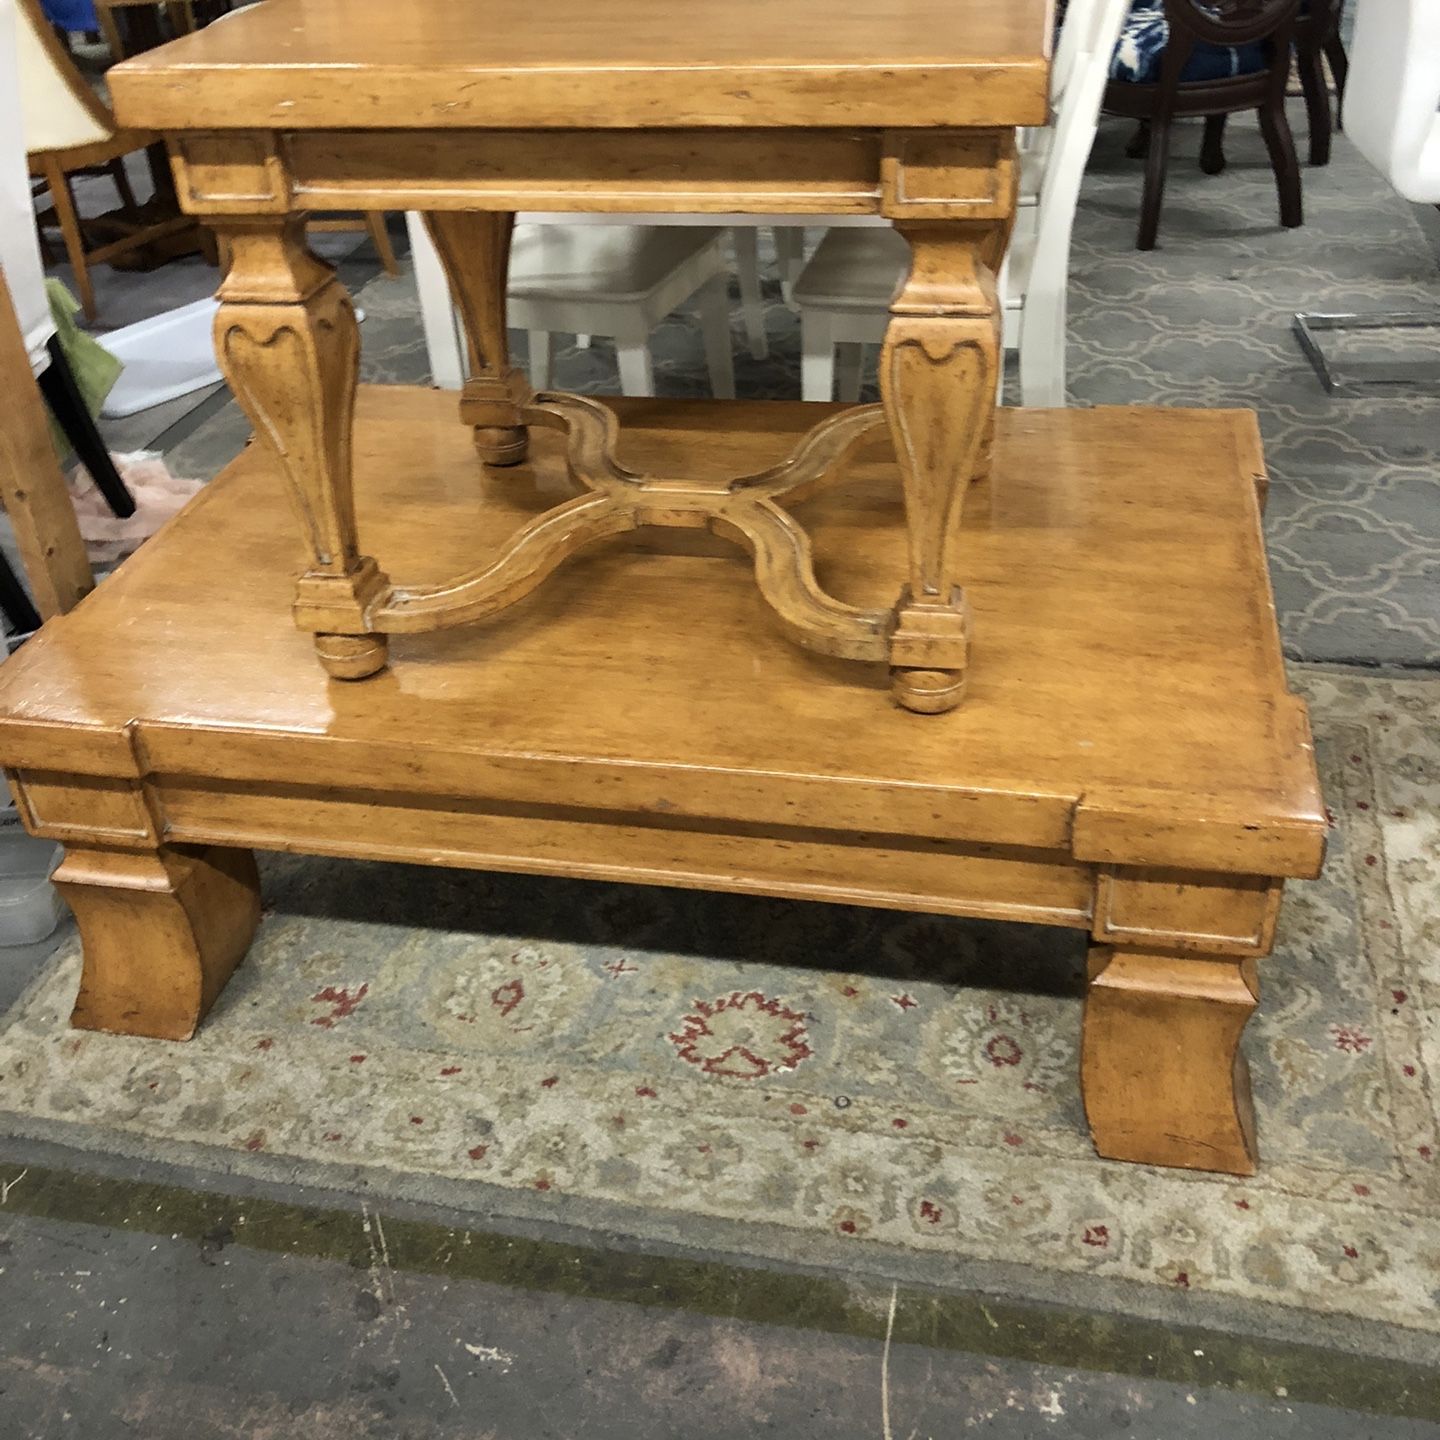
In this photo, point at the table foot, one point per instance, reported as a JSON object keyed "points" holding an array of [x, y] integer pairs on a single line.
{"points": [[927, 692], [501, 445], [1163, 1077], [162, 931], [352, 657], [474, 250]]}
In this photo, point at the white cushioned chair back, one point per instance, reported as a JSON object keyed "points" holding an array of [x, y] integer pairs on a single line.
{"points": [[19, 249], [1098, 24], [1392, 95], [57, 116], [1088, 37]]}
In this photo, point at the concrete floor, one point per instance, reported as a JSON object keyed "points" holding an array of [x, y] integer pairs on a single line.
{"points": [[110, 1333]]}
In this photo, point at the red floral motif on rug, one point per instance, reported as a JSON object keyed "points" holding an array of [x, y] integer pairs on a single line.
{"points": [[743, 1036]]}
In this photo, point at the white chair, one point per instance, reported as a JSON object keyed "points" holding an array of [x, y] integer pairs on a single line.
{"points": [[844, 292], [19, 249], [25, 70], [66, 129], [1392, 115], [616, 280]]}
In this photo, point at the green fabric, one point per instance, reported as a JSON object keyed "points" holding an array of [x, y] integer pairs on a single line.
{"points": [[95, 369]]}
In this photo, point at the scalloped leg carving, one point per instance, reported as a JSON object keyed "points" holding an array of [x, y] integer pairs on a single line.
{"points": [[162, 930], [474, 248], [288, 343], [1163, 1076], [938, 369]]}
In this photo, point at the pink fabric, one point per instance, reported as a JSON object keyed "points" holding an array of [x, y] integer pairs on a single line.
{"points": [[158, 496]]}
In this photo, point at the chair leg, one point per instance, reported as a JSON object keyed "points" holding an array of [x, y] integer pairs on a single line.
{"points": [[1042, 351], [71, 233], [713, 302], [67, 405], [122, 184], [380, 239], [1317, 100], [637, 368], [790, 248], [539, 359], [1138, 144], [1281, 145], [849, 355], [1155, 162], [745, 239], [14, 601], [817, 357], [1334, 48], [444, 342], [1212, 147]]}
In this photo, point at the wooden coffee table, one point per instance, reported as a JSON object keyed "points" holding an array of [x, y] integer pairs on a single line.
{"points": [[1128, 762], [901, 108]]}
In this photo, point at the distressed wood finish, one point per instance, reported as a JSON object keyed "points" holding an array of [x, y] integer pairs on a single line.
{"points": [[474, 248], [162, 931], [604, 730], [510, 64], [287, 340], [951, 192], [1164, 1079], [901, 109], [32, 488], [939, 370]]}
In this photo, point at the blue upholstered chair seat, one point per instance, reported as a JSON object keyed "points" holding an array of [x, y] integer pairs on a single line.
{"points": [[1143, 40]]}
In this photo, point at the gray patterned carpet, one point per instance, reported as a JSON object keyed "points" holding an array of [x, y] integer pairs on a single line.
{"points": [[1354, 518]]}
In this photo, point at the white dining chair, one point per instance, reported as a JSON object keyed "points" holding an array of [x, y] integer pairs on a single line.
{"points": [[616, 280], [845, 289]]}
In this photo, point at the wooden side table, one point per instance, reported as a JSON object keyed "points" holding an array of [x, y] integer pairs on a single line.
{"points": [[471, 113]]}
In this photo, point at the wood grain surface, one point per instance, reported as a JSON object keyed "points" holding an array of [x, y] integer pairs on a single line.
{"points": [[628, 64]]}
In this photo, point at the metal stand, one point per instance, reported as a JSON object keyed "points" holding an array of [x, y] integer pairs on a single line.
{"points": [[1360, 376]]}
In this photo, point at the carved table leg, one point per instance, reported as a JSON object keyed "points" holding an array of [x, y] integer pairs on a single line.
{"points": [[474, 248], [162, 930], [1164, 1080], [287, 340], [938, 371]]}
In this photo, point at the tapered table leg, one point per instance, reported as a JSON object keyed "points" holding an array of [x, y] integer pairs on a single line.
{"points": [[161, 930], [474, 248], [1164, 1079], [938, 371], [288, 343]]}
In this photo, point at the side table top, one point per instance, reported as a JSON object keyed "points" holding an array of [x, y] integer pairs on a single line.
{"points": [[625, 64]]}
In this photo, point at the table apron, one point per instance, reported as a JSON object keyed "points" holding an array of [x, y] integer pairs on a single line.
{"points": [[1163, 910], [941, 175]]}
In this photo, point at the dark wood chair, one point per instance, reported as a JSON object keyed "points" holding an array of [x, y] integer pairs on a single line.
{"points": [[1235, 24], [1317, 39]]}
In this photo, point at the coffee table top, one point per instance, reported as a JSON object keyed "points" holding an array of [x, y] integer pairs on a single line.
{"points": [[1127, 700], [597, 64]]}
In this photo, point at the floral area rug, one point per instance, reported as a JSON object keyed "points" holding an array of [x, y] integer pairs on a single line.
{"points": [[840, 1086]]}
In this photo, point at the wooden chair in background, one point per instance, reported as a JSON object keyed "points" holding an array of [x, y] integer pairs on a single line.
{"points": [[1317, 39], [33, 489], [67, 129], [1261, 32], [613, 280]]}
